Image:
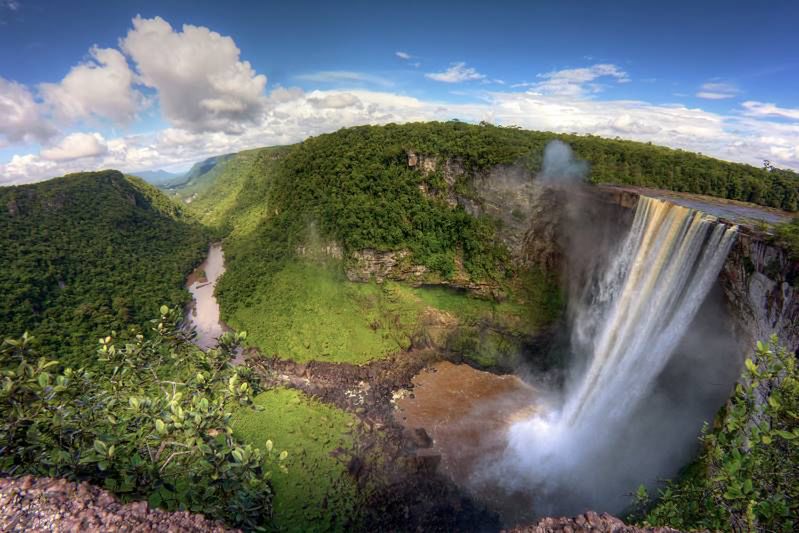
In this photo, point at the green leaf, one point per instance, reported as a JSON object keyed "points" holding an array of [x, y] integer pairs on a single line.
{"points": [[160, 426], [164, 310], [269, 445], [751, 366], [100, 446]]}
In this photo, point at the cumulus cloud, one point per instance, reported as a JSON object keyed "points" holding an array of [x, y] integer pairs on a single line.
{"points": [[201, 82], [577, 82], [99, 88], [403, 55], [292, 115], [456, 73], [336, 101], [76, 146], [763, 109], [717, 91], [21, 117]]}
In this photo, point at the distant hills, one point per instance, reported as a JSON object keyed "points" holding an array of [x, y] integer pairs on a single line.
{"points": [[161, 178], [89, 253]]}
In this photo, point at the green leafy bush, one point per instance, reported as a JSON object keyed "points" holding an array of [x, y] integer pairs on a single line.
{"points": [[151, 422], [747, 477], [788, 235]]}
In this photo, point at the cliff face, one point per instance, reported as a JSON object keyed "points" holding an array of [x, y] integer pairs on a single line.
{"points": [[759, 280], [760, 283]]}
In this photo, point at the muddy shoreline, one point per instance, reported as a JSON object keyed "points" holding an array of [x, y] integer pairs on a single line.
{"points": [[396, 467]]}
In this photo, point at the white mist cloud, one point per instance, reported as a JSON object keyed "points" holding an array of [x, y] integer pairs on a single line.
{"points": [[403, 55], [577, 82], [76, 146], [456, 73], [21, 117], [201, 82], [335, 101], [99, 88], [763, 109], [717, 91]]}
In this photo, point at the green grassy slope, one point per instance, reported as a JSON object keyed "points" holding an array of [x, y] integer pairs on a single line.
{"points": [[316, 494], [88, 253]]}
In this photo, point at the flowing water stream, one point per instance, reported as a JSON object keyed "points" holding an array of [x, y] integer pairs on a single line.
{"points": [[203, 312]]}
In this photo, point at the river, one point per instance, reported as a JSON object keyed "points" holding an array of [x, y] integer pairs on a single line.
{"points": [[203, 312]]}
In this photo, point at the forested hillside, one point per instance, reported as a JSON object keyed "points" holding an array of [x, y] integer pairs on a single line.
{"points": [[356, 190], [89, 253]]}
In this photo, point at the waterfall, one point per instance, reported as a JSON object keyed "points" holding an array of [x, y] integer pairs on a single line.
{"points": [[628, 324], [647, 298]]}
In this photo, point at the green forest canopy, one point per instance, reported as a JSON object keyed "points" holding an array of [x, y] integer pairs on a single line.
{"points": [[89, 253]]}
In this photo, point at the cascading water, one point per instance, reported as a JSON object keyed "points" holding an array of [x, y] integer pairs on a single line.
{"points": [[652, 291], [629, 325]]}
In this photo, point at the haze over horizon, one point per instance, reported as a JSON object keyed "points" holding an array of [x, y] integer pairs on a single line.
{"points": [[164, 84]]}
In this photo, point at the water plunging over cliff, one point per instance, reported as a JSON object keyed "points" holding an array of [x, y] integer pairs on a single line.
{"points": [[648, 297], [626, 326]]}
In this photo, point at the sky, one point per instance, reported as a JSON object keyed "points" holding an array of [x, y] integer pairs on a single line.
{"points": [[160, 85]]}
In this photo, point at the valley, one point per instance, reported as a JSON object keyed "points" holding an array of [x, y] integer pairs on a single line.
{"points": [[418, 298]]}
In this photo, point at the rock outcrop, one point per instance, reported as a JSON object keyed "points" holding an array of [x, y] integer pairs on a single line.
{"points": [[761, 283], [45, 504], [585, 523]]}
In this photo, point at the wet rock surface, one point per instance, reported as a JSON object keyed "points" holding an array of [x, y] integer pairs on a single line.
{"points": [[45, 504]]}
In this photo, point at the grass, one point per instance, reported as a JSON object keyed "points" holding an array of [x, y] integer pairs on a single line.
{"points": [[316, 494], [309, 311]]}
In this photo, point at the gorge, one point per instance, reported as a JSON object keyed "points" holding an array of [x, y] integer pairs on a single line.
{"points": [[442, 332]]}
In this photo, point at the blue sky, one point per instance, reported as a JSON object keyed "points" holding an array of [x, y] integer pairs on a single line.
{"points": [[144, 85]]}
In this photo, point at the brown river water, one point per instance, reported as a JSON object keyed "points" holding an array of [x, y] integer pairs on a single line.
{"points": [[203, 312], [467, 412]]}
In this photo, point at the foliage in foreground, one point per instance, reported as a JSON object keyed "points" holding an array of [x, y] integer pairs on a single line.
{"points": [[747, 478], [152, 422]]}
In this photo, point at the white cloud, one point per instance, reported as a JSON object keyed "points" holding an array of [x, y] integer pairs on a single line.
{"points": [[21, 117], [99, 88], [201, 82], [577, 82], [344, 77], [292, 115], [717, 91], [762, 109], [76, 146], [456, 73], [403, 55], [336, 101]]}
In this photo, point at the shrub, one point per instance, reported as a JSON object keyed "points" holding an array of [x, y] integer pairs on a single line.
{"points": [[747, 477], [152, 421]]}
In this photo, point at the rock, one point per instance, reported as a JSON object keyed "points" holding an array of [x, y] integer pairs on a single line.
{"points": [[588, 522], [45, 504], [419, 437]]}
